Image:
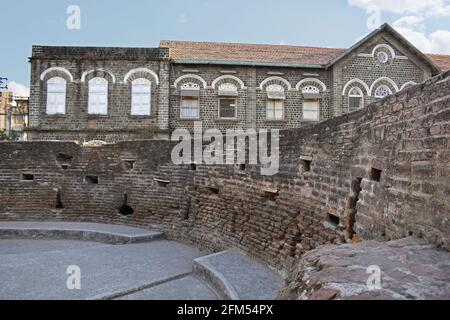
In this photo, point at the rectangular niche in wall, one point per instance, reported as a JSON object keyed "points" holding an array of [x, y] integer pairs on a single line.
{"points": [[27, 177], [305, 164], [271, 194], [128, 164], [214, 190], [375, 174], [64, 160], [91, 179], [333, 221], [162, 183]]}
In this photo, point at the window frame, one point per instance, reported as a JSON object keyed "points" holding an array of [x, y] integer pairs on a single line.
{"points": [[235, 107], [360, 95], [182, 98], [56, 93], [273, 101], [387, 89], [97, 93], [147, 94], [318, 110]]}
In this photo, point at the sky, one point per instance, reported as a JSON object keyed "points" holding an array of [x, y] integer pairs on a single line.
{"points": [[143, 23]]}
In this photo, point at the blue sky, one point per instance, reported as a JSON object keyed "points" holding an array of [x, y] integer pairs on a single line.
{"points": [[142, 23]]}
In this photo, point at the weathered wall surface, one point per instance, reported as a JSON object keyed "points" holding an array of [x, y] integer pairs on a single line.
{"points": [[78, 65], [378, 173], [252, 101], [401, 68]]}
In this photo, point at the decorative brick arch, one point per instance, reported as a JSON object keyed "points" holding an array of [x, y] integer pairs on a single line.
{"points": [[353, 82], [384, 46], [98, 70], [380, 81], [311, 80], [57, 71], [407, 84], [228, 77], [280, 80], [190, 76], [141, 73]]}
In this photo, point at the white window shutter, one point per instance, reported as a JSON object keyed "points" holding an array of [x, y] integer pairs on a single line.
{"points": [[56, 96], [98, 96], [141, 97], [311, 110]]}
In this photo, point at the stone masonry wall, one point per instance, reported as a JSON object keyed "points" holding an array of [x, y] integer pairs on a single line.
{"points": [[378, 173], [361, 65], [112, 64], [251, 102]]}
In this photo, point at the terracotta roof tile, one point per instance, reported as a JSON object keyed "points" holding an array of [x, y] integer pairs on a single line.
{"points": [[249, 53], [442, 61], [263, 54]]}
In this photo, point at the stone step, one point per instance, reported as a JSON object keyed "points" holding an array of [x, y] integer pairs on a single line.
{"points": [[237, 277], [104, 233]]}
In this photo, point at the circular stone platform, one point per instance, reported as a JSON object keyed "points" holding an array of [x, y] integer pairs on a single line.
{"points": [[37, 269], [39, 259]]}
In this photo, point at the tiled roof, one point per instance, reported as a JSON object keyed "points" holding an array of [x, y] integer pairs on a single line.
{"points": [[207, 52], [442, 61], [249, 53]]}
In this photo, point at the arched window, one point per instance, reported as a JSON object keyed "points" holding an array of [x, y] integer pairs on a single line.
{"points": [[275, 102], [98, 96], [189, 101], [228, 93], [355, 99], [382, 92], [141, 97], [56, 96], [311, 103]]}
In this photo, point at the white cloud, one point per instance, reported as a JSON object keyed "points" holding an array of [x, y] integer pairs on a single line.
{"points": [[410, 22], [18, 89], [415, 7], [412, 18], [440, 42], [413, 29]]}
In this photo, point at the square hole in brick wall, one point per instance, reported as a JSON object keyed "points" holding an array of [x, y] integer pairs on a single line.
{"points": [[64, 160], [305, 164], [334, 220], [91, 179], [375, 175], [214, 190], [162, 183], [27, 177], [129, 164], [193, 167], [271, 195]]}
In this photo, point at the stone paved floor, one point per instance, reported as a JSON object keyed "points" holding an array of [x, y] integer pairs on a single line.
{"points": [[36, 269]]}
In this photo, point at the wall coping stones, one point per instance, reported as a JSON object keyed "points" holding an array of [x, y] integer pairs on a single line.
{"points": [[104, 233]]}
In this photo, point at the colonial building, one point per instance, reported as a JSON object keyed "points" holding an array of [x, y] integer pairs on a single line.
{"points": [[13, 116], [112, 94]]}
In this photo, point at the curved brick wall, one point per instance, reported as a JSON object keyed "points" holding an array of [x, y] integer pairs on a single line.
{"points": [[402, 141]]}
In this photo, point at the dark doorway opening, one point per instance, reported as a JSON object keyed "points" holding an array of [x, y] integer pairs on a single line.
{"points": [[125, 209], [59, 204]]}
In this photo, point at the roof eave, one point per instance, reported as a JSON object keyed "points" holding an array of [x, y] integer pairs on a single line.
{"points": [[248, 63]]}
